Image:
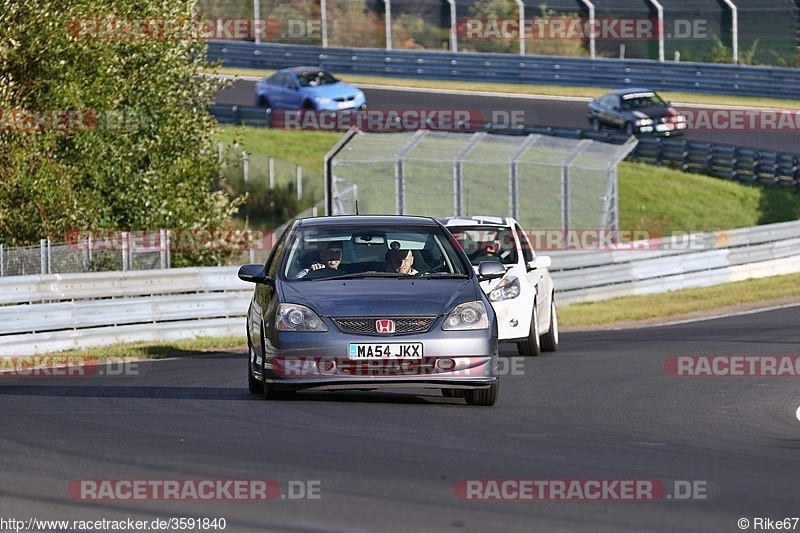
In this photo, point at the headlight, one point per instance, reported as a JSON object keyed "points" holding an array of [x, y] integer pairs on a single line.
{"points": [[505, 290], [359, 95], [470, 315], [644, 122], [323, 100], [293, 317]]}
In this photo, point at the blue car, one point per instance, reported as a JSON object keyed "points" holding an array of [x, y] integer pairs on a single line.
{"points": [[370, 302], [308, 88]]}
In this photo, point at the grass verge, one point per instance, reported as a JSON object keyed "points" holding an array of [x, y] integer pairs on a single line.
{"points": [[154, 350]]}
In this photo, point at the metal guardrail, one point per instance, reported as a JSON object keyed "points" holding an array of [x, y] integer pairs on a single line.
{"points": [[770, 82], [683, 262], [58, 312]]}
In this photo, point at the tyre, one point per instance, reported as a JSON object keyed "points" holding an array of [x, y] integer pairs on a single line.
{"points": [[484, 397], [262, 101], [253, 385], [268, 389], [531, 346], [629, 129], [549, 341], [595, 124], [453, 393]]}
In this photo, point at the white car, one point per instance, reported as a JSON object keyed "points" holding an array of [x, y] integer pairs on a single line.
{"points": [[523, 299]]}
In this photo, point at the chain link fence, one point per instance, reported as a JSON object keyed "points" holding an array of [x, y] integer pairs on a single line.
{"points": [[544, 182], [243, 172]]}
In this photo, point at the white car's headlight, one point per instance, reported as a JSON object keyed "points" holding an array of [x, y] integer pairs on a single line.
{"points": [[470, 315], [505, 290], [294, 317], [323, 100]]}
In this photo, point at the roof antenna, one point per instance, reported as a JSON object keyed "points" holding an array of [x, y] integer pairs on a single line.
{"points": [[356, 207]]}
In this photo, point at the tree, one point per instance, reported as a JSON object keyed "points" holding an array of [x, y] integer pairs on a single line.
{"points": [[104, 121]]}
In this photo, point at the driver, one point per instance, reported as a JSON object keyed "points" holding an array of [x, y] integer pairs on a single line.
{"points": [[330, 258]]}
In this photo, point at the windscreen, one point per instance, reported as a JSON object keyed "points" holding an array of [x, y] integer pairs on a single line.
{"points": [[486, 243], [372, 249]]}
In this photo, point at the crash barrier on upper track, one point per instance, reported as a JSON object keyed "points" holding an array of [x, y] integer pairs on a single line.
{"points": [[58, 312], [713, 78]]}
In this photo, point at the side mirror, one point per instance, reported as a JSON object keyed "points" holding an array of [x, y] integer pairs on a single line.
{"points": [[540, 261], [254, 274], [490, 270]]}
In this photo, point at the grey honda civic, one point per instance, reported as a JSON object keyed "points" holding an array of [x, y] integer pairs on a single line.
{"points": [[369, 302]]}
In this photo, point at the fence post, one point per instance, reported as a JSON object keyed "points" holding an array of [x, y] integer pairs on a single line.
{"points": [[257, 20], [125, 250], [43, 256], [299, 182], [271, 173], [221, 154], [245, 165], [162, 248], [2, 265]]}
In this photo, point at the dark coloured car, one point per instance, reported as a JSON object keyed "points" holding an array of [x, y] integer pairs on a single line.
{"points": [[367, 302], [307, 88], [636, 112]]}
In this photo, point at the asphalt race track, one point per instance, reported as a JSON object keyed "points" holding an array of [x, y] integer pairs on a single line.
{"points": [[601, 408], [546, 111]]}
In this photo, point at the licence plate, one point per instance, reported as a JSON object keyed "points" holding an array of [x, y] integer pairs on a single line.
{"points": [[665, 127], [389, 350], [347, 105]]}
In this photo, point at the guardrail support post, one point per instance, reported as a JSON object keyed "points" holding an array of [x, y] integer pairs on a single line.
{"points": [[245, 165], [2, 264]]}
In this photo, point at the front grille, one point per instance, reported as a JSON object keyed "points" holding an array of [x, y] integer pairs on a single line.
{"points": [[402, 325]]}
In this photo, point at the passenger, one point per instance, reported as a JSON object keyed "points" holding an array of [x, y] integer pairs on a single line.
{"points": [[401, 261]]}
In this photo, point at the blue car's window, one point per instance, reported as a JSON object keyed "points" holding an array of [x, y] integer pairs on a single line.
{"points": [[366, 250], [316, 78]]}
